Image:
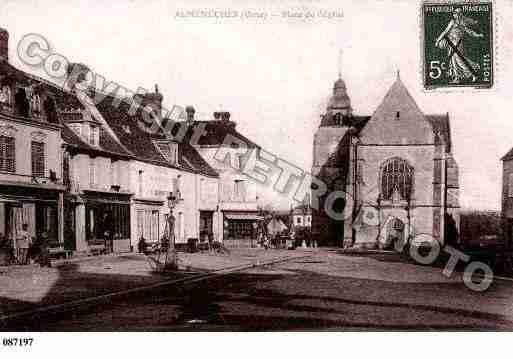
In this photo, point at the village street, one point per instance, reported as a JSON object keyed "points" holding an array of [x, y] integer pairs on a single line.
{"points": [[314, 290]]}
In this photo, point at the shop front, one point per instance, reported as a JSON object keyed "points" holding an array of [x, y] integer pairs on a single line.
{"points": [[149, 221], [39, 207], [107, 221], [240, 229]]}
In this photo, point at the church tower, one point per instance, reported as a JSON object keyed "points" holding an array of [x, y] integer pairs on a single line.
{"points": [[328, 153]]}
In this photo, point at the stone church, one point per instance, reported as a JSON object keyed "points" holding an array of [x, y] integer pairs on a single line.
{"points": [[393, 172]]}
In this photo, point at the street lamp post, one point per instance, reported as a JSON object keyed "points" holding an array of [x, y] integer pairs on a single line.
{"points": [[171, 261]]}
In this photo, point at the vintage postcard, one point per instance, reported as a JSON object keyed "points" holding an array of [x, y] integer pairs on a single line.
{"points": [[246, 166]]}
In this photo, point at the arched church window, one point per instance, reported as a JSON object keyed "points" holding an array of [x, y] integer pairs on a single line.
{"points": [[396, 177]]}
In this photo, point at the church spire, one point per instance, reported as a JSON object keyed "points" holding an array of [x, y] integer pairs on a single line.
{"points": [[340, 101], [340, 64]]}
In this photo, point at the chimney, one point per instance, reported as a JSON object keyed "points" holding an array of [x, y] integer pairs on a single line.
{"points": [[190, 113], [76, 73], [4, 45], [151, 99]]}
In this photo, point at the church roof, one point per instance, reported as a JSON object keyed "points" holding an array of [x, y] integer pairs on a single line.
{"points": [[398, 98], [508, 155], [330, 120]]}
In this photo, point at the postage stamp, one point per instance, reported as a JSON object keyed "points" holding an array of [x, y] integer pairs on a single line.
{"points": [[457, 45]]}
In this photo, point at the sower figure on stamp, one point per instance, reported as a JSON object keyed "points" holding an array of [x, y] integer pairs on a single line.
{"points": [[460, 66]]}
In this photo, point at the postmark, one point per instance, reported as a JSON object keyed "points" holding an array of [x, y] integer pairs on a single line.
{"points": [[457, 44]]}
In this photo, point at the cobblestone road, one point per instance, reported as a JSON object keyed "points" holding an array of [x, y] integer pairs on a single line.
{"points": [[328, 290]]}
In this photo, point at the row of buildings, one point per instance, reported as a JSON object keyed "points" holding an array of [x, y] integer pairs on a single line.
{"points": [[78, 169]]}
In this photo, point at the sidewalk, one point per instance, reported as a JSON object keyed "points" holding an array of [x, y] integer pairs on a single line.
{"points": [[28, 287]]}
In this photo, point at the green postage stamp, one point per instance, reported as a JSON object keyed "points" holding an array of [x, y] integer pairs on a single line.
{"points": [[457, 44]]}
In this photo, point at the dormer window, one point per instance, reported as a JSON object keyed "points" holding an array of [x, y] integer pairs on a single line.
{"points": [[36, 104], [169, 150], [22, 104], [50, 110], [5, 96]]}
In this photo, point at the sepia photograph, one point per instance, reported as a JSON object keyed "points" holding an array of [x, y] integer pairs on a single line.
{"points": [[250, 166]]}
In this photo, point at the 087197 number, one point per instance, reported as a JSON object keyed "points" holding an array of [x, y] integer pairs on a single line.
{"points": [[17, 342]]}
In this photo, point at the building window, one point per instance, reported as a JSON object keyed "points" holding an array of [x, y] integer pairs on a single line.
{"points": [[38, 159], [148, 225], [114, 173], [36, 103], [94, 136], [92, 172], [510, 185], [176, 187], [108, 219], [240, 229], [169, 150], [66, 172], [7, 154], [50, 111], [22, 104], [239, 192], [140, 181], [396, 176], [298, 220]]}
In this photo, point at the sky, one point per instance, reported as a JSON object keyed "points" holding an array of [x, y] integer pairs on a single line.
{"points": [[275, 74]]}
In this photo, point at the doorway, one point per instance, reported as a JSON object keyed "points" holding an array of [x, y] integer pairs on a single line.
{"points": [[206, 228], [394, 232]]}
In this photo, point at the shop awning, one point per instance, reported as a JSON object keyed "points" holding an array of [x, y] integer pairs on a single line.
{"points": [[244, 216], [10, 201]]}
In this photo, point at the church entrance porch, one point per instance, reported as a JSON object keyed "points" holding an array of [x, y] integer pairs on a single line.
{"points": [[394, 235]]}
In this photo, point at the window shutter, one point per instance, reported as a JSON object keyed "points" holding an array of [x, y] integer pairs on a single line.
{"points": [[38, 158], [7, 154], [3, 153], [92, 172]]}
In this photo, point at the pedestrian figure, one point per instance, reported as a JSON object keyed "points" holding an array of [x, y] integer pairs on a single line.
{"points": [[6, 250], [22, 245], [108, 232], [266, 242], [44, 255]]}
